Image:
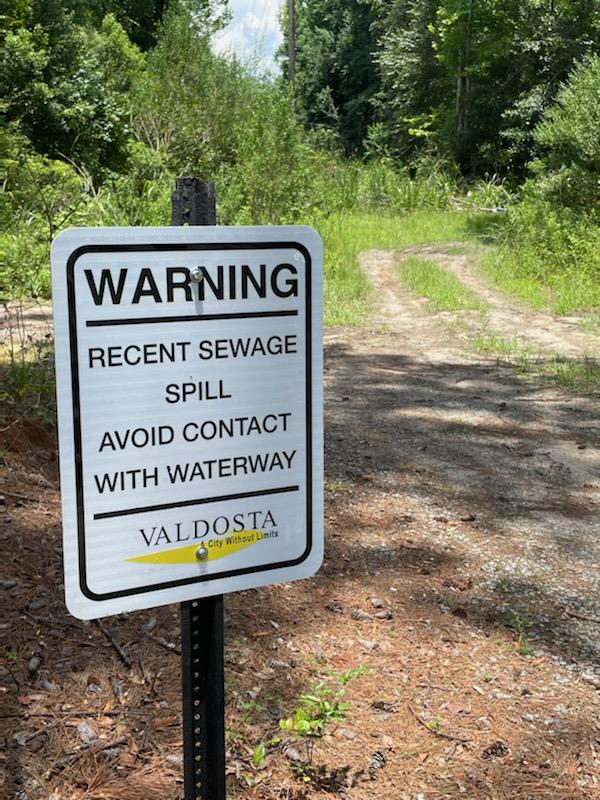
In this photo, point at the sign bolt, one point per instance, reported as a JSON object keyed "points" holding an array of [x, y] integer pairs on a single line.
{"points": [[196, 274], [202, 553]]}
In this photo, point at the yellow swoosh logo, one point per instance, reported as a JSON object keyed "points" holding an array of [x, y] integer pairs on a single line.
{"points": [[217, 548]]}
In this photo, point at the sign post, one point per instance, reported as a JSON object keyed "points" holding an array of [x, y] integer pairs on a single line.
{"points": [[189, 393], [202, 631]]}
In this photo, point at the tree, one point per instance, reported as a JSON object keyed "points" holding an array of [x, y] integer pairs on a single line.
{"points": [[336, 76], [568, 138], [468, 77]]}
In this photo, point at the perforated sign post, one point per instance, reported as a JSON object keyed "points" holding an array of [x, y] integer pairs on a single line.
{"points": [[189, 385]]}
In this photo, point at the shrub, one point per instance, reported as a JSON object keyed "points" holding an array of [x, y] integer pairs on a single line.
{"points": [[568, 170]]}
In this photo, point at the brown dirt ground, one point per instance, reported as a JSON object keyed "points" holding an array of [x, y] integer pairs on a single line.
{"points": [[459, 498]]}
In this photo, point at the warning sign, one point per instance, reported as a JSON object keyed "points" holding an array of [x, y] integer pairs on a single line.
{"points": [[189, 383]]}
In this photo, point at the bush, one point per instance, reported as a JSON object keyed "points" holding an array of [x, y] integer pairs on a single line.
{"points": [[568, 170], [550, 244], [42, 196]]}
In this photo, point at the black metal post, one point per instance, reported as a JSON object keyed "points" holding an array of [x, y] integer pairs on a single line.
{"points": [[203, 699], [202, 674]]}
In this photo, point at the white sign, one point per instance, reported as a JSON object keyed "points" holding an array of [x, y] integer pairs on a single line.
{"points": [[189, 384]]}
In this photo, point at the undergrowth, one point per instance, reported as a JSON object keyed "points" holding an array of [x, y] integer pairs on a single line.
{"points": [[27, 388], [547, 256]]}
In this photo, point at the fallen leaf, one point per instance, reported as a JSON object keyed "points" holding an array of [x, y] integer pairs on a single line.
{"points": [[87, 732]]}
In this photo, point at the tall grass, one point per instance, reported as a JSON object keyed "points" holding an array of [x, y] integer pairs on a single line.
{"points": [[548, 256]]}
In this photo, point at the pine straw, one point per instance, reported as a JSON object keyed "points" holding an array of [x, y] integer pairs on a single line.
{"points": [[148, 783], [458, 667]]}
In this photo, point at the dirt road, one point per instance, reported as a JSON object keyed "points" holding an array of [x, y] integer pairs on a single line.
{"points": [[461, 571], [465, 438]]}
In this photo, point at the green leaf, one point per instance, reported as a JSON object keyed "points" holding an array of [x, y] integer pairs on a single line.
{"points": [[258, 756]]}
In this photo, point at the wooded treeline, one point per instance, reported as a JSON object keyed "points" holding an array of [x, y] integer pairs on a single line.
{"points": [[470, 78], [398, 105]]}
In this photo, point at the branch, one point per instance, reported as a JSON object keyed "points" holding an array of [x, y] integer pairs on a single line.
{"points": [[441, 734], [63, 762], [120, 650], [595, 620]]}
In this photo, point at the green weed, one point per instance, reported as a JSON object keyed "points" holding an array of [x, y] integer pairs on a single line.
{"points": [[491, 342], [337, 486], [577, 375], [434, 724], [521, 626], [322, 704], [443, 289], [581, 376], [258, 755]]}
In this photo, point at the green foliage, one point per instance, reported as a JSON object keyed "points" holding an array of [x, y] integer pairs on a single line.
{"points": [[321, 705], [336, 74], [41, 197], [317, 709], [66, 87], [435, 724], [258, 755], [444, 291], [549, 253], [549, 256], [106, 103], [568, 170], [469, 79]]}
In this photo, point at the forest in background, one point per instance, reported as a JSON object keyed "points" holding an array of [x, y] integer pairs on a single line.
{"points": [[398, 107]]}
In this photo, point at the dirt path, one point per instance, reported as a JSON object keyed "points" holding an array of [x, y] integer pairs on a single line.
{"points": [[462, 571], [469, 438], [562, 335]]}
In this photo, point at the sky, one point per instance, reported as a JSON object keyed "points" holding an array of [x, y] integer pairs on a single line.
{"points": [[253, 31]]}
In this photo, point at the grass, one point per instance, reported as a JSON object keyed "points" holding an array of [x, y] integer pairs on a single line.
{"points": [[564, 293], [346, 235], [577, 375], [490, 342], [443, 289]]}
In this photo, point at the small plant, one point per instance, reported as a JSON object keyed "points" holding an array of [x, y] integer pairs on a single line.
{"points": [[258, 756], [434, 724], [255, 775], [491, 342], [334, 485], [524, 647], [318, 707], [520, 625], [352, 673]]}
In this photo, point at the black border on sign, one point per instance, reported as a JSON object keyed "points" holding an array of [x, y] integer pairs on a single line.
{"points": [[179, 247]]}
